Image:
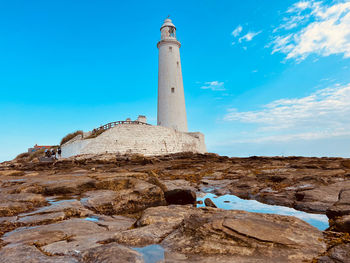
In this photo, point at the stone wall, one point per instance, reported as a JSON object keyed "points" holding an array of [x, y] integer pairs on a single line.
{"points": [[136, 138]]}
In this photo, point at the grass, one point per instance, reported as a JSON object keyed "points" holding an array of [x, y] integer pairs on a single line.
{"points": [[70, 136], [22, 156], [95, 134], [36, 154]]}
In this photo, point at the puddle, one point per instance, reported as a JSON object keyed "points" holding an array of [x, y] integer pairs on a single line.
{"points": [[232, 202], [92, 218], [151, 253]]}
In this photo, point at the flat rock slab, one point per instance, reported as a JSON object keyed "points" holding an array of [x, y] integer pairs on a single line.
{"points": [[39, 219], [146, 235], [30, 254], [139, 196], [272, 238], [76, 245], [47, 234], [11, 173], [111, 253], [172, 214], [13, 204], [178, 184]]}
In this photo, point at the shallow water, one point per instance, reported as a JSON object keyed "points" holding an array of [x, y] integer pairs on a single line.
{"points": [[151, 253], [232, 202], [92, 218]]}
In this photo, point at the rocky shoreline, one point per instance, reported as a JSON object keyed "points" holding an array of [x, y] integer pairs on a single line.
{"points": [[108, 208]]}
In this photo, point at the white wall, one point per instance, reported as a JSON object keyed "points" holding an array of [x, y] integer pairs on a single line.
{"points": [[134, 138]]}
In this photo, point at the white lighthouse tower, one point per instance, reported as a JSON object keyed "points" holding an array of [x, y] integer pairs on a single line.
{"points": [[171, 97]]}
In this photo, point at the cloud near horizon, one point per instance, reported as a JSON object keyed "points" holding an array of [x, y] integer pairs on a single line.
{"points": [[323, 114], [312, 27]]}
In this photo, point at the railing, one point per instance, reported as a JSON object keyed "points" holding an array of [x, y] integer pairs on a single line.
{"points": [[115, 123]]}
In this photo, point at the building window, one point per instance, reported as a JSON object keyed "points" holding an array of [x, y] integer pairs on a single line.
{"points": [[172, 90], [170, 49], [177, 63]]}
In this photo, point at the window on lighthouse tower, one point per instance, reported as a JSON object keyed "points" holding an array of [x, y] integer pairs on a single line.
{"points": [[172, 90], [171, 32]]}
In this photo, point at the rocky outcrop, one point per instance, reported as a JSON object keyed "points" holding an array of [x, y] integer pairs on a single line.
{"points": [[30, 254], [244, 236], [97, 208], [180, 197], [208, 202], [12, 204], [111, 253], [337, 254], [138, 196], [339, 212]]}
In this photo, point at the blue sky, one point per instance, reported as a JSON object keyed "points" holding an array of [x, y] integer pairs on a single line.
{"points": [[260, 77]]}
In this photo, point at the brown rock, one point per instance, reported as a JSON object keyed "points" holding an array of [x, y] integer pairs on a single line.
{"points": [[39, 219], [100, 201], [342, 206], [180, 197], [172, 214], [318, 199], [208, 202], [76, 244], [337, 254], [30, 254], [11, 173], [111, 253], [269, 238], [146, 235], [47, 234], [82, 242], [341, 224], [67, 184], [13, 204], [138, 197]]}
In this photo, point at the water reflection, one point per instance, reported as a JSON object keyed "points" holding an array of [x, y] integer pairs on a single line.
{"points": [[151, 253], [92, 218], [231, 202]]}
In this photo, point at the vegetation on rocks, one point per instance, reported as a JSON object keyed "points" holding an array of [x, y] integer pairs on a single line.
{"points": [[95, 134], [27, 157], [70, 136]]}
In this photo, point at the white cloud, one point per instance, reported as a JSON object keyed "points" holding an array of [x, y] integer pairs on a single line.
{"points": [[323, 114], [325, 30], [237, 31], [300, 6], [249, 36], [214, 85]]}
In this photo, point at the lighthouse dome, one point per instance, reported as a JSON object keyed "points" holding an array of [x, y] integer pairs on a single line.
{"points": [[168, 23]]}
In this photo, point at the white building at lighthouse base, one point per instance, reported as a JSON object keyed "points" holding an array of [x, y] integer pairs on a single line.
{"points": [[142, 139]]}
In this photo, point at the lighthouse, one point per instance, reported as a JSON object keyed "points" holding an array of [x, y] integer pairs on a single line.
{"points": [[171, 97]]}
